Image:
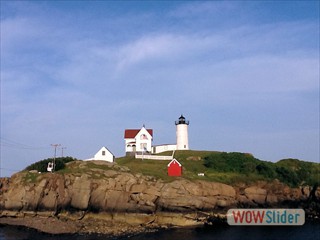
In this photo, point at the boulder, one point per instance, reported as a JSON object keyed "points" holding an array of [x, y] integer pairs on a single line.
{"points": [[180, 204], [138, 188], [271, 199], [152, 190], [305, 191], [49, 201], [98, 196], [147, 197], [117, 200], [244, 201], [317, 193], [193, 188], [217, 189], [14, 198], [256, 194], [81, 192], [209, 203], [124, 181], [295, 194], [222, 203]]}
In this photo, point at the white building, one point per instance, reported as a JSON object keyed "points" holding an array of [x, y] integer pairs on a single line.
{"points": [[163, 148], [103, 154], [138, 140], [182, 133]]}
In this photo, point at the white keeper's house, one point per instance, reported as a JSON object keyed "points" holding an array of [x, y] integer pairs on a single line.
{"points": [[138, 140]]}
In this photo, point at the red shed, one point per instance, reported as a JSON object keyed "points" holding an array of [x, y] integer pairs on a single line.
{"points": [[174, 168]]}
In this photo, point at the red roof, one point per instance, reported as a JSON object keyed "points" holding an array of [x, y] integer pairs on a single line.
{"points": [[174, 161], [132, 133]]}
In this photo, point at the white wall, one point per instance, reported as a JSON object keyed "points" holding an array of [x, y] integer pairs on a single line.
{"points": [[164, 148], [130, 147], [104, 154], [153, 157], [182, 137], [143, 141]]}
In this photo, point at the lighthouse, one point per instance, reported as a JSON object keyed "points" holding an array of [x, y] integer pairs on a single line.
{"points": [[182, 133]]}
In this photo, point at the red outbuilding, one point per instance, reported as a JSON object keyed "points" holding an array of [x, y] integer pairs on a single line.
{"points": [[174, 168]]}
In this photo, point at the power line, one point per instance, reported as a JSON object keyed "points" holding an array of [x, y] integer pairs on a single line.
{"points": [[16, 145], [10, 169], [62, 148], [55, 154]]}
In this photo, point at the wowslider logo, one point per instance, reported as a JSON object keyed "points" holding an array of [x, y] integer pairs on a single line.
{"points": [[271, 217]]}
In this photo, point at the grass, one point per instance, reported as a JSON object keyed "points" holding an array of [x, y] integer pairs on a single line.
{"points": [[230, 168], [153, 168], [227, 168], [83, 167], [192, 162], [30, 177]]}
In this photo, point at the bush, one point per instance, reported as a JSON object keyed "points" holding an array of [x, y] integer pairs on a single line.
{"points": [[266, 170], [299, 171], [42, 165], [231, 162], [288, 176]]}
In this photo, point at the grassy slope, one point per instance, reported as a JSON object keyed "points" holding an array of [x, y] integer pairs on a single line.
{"points": [[228, 168], [193, 163]]}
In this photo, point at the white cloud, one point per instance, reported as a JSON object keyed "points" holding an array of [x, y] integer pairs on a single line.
{"points": [[201, 9], [145, 48]]}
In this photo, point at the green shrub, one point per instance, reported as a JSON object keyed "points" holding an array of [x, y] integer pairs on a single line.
{"points": [[288, 176], [231, 162], [266, 169], [293, 172], [41, 166]]}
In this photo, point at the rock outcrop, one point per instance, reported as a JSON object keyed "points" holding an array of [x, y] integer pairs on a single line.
{"points": [[111, 193], [116, 191]]}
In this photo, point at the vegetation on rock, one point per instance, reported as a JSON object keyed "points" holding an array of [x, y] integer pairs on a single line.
{"points": [[41, 166], [230, 168], [290, 171]]}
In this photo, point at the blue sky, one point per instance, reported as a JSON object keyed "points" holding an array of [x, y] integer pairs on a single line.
{"points": [[246, 75]]}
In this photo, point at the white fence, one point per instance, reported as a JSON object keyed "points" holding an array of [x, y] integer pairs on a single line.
{"points": [[164, 148], [153, 157]]}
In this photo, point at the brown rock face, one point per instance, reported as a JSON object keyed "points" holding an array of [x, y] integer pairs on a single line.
{"points": [[256, 194], [81, 191], [271, 199], [200, 195], [113, 191], [317, 193], [107, 198]]}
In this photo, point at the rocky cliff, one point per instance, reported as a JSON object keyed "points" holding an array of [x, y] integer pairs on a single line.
{"points": [[108, 198]]}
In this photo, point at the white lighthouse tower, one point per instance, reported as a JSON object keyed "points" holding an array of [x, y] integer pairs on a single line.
{"points": [[182, 133]]}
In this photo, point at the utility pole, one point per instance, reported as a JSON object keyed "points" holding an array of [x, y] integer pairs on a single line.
{"points": [[55, 154], [62, 148]]}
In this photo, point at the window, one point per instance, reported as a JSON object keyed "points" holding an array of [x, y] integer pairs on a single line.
{"points": [[143, 146], [103, 153], [143, 137]]}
